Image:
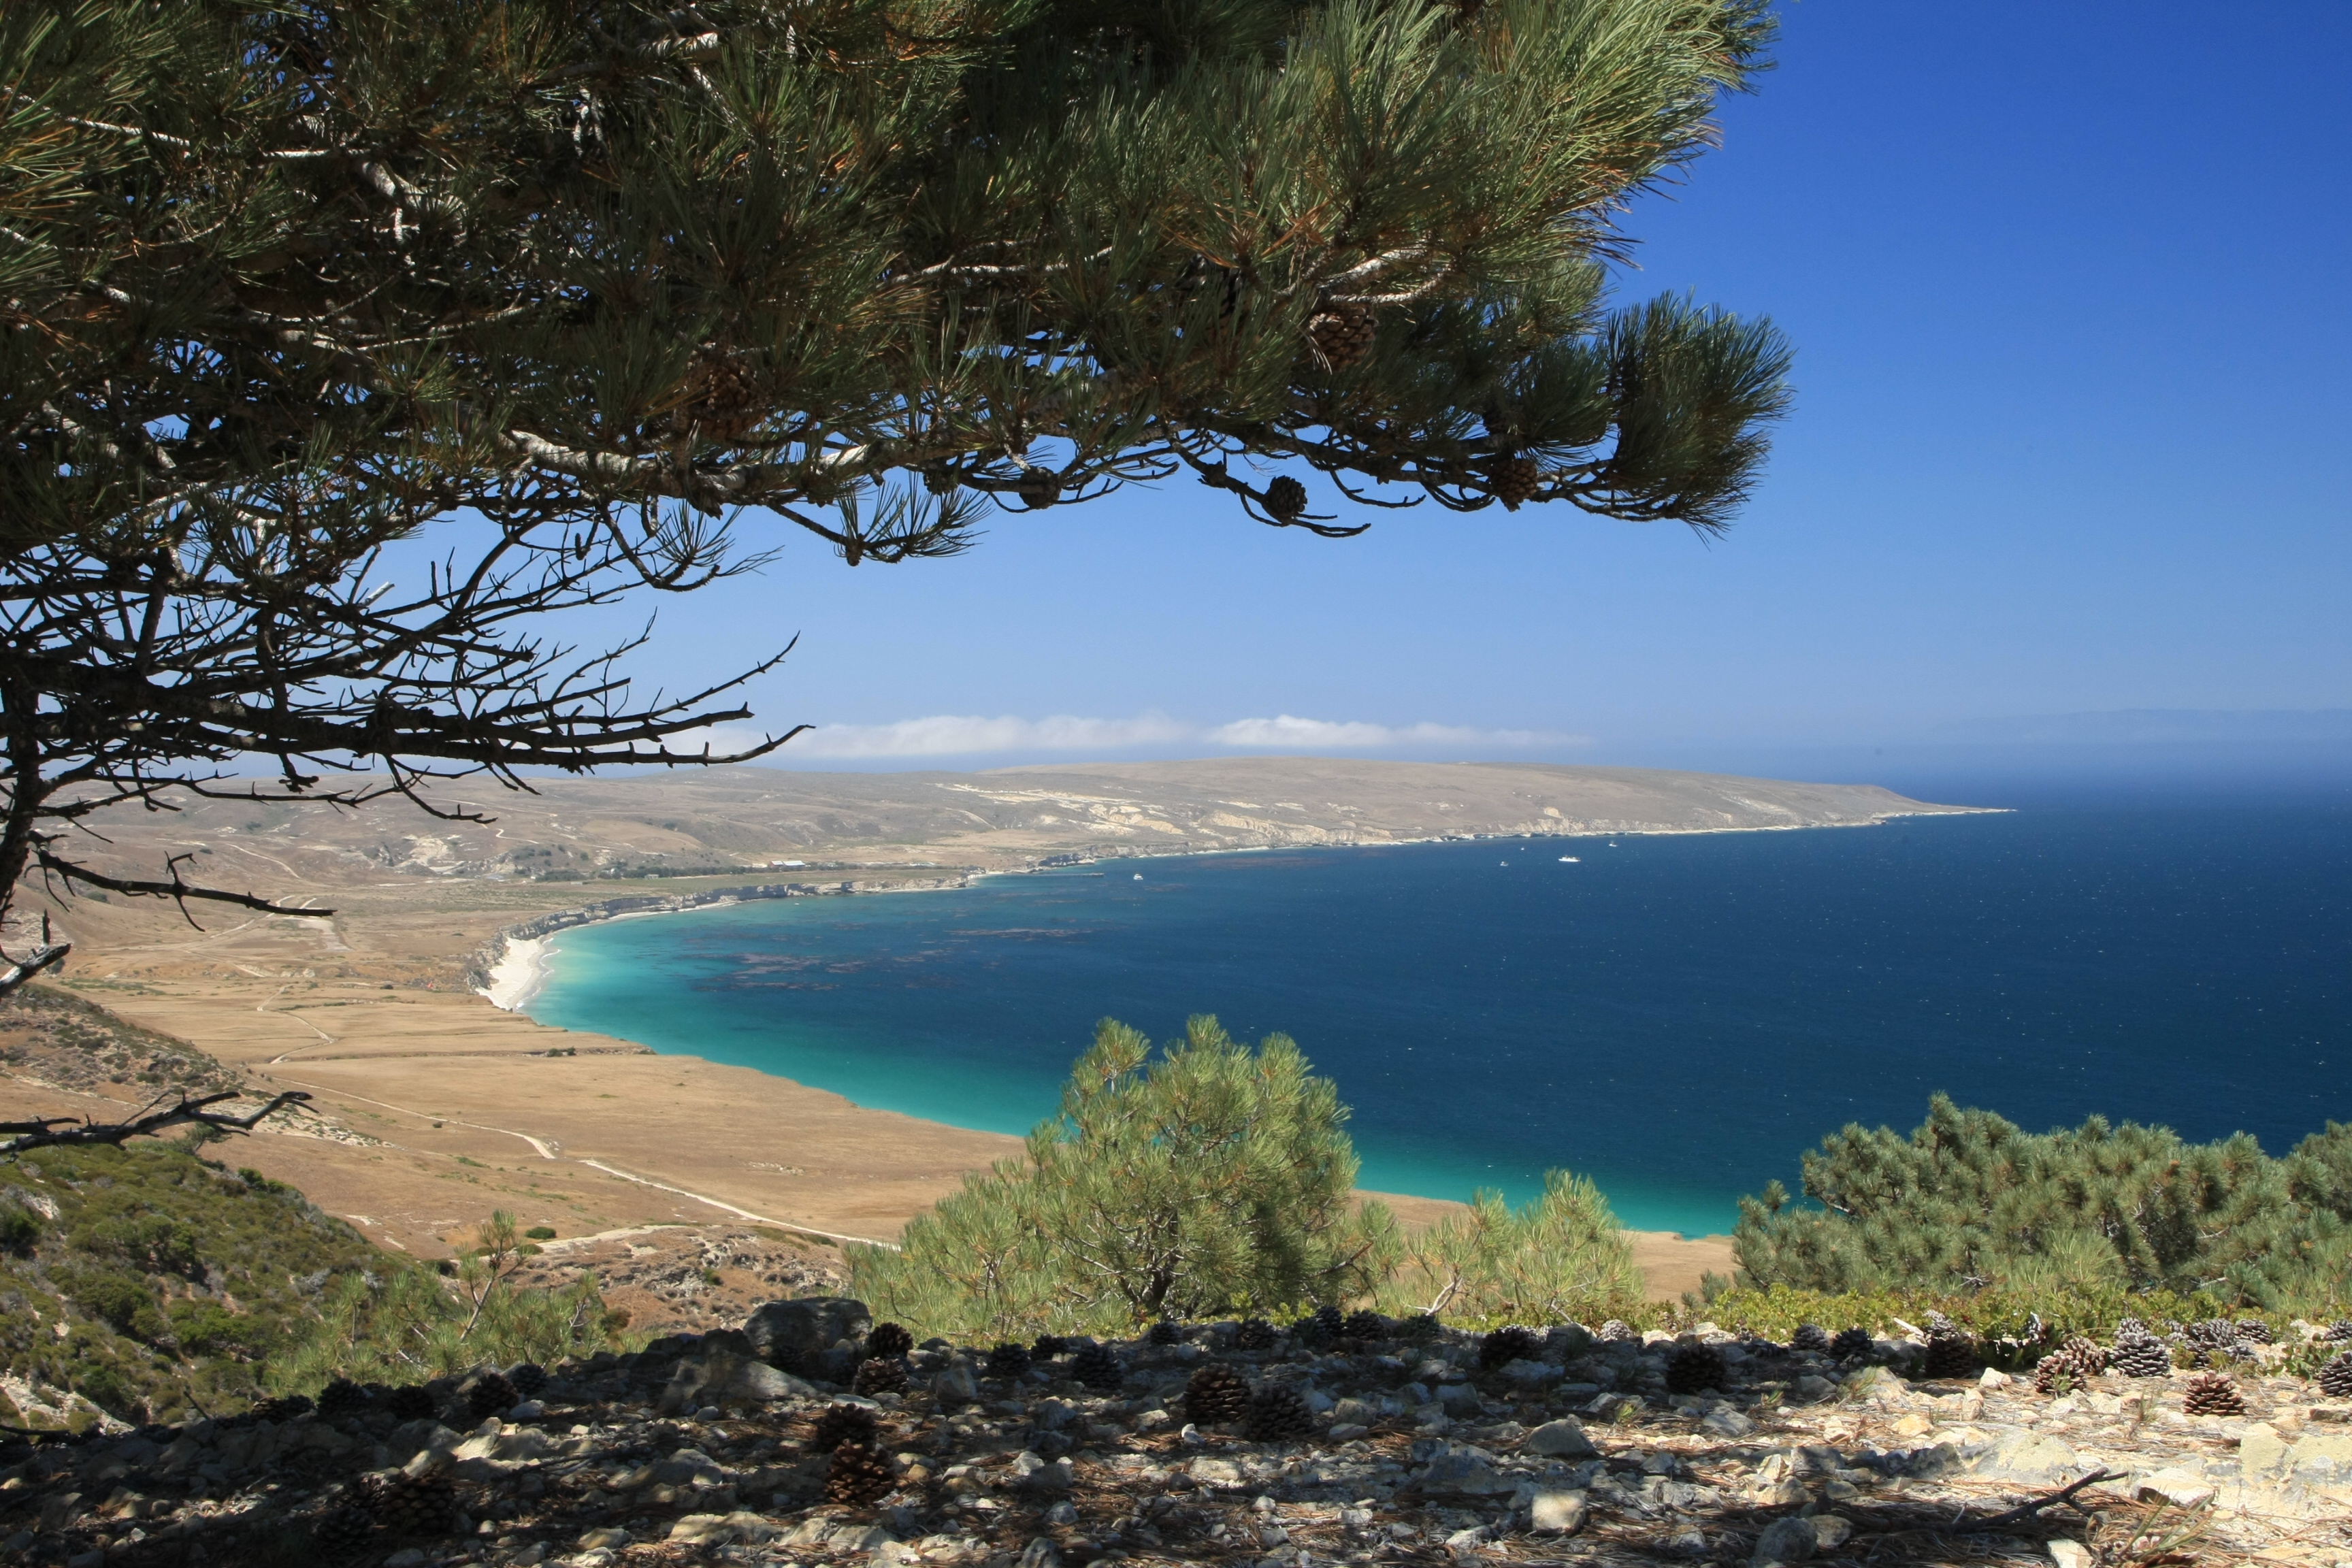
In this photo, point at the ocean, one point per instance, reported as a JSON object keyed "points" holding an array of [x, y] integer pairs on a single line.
{"points": [[1679, 1017]]}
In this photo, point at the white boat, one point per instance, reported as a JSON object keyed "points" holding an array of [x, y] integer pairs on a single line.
{"points": [[1570, 860]]}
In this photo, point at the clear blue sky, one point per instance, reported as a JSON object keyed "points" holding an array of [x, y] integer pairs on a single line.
{"points": [[2068, 285]]}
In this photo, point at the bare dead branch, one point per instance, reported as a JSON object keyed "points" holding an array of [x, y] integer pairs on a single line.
{"points": [[63, 1131]]}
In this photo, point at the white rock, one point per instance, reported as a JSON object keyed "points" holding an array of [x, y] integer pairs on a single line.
{"points": [[1555, 1511], [1994, 1378], [1831, 1531], [2071, 1554], [2178, 1487]]}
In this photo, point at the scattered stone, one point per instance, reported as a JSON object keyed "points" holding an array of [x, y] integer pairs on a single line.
{"points": [[1787, 1540], [1562, 1439], [1555, 1511]]}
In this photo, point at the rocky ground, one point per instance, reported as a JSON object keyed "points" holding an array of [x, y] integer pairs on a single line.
{"points": [[688, 1278], [698, 1450]]}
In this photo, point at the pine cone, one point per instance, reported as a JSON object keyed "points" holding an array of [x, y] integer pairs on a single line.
{"points": [[1367, 1325], [2213, 1337], [410, 1403], [1097, 1367], [491, 1394], [1277, 1416], [1328, 1324], [1040, 489], [1616, 1331], [530, 1379], [340, 1532], [2338, 1332], [1166, 1332], [880, 1374], [1254, 1334], [843, 1424], [1513, 480], [1343, 334], [2139, 1354], [1285, 497], [342, 1398], [2211, 1394], [416, 1505], [1048, 1346], [1509, 1343], [1008, 1360], [858, 1477], [1850, 1342], [1691, 1368], [1810, 1338], [1216, 1394], [2336, 1377], [2071, 1365], [888, 1340], [1419, 1327], [1951, 1354], [2253, 1330]]}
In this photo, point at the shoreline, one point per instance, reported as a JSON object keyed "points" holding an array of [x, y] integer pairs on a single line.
{"points": [[491, 958]]}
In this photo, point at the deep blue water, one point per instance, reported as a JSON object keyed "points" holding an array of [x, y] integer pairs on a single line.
{"points": [[1676, 1017]]}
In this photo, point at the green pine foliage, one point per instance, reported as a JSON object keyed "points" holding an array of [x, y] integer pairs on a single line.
{"points": [[1969, 1201], [1560, 1259], [854, 261], [1214, 1179], [409, 1325]]}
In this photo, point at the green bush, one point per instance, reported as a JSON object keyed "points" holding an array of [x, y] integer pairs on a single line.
{"points": [[1560, 1258], [122, 1300], [20, 1228], [1213, 1179], [1968, 1201], [208, 1328]]}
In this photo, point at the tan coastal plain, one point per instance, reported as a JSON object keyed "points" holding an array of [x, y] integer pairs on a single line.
{"points": [[437, 1107]]}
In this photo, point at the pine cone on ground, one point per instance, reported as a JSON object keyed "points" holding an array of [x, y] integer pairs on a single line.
{"points": [[1513, 480], [1254, 1334], [1048, 1346], [888, 1340], [1850, 1342], [1285, 497], [339, 1532], [1216, 1394], [2139, 1354], [2071, 1365], [1166, 1332], [1509, 1343], [1097, 1367], [2213, 1337], [416, 1505], [2253, 1330], [877, 1375], [530, 1379], [1327, 1323], [1691, 1368], [1008, 1360], [1343, 333], [491, 1395], [858, 1477], [1616, 1331], [1277, 1416], [1811, 1338], [2338, 1332], [2336, 1377], [1950, 1355], [411, 1404], [282, 1409], [843, 1424], [2211, 1394], [1367, 1325], [342, 1398], [1421, 1326]]}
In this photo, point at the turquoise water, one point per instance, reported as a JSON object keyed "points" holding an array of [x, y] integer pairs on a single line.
{"points": [[1676, 1017]]}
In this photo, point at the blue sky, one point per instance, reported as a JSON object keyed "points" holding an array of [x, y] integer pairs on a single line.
{"points": [[2068, 286]]}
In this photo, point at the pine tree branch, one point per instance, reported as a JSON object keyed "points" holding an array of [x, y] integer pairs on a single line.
{"points": [[65, 1131]]}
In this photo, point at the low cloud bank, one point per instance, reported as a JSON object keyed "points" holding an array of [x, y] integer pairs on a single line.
{"points": [[950, 735]]}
